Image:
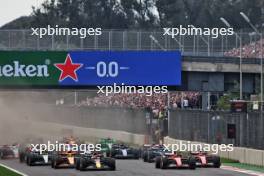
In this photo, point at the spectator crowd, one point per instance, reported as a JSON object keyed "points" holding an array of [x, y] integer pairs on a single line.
{"points": [[156, 102], [252, 50]]}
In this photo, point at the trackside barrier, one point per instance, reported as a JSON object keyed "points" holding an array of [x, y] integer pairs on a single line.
{"points": [[53, 131], [243, 155]]}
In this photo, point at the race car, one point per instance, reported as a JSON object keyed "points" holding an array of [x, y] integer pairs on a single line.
{"points": [[22, 152], [33, 156], [95, 161], [36, 158], [8, 151], [144, 148], [175, 160], [122, 151], [65, 158], [106, 145], [203, 159], [150, 153], [26, 147]]}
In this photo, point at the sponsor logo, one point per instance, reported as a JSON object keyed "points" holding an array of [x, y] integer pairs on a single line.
{"points": [[20, 70], [68, 69]]}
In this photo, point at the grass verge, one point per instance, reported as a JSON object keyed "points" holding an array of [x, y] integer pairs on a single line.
{"points": [[6, 172], [234, 163]]}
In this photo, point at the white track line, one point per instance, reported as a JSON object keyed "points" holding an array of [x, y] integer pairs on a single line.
{"points": [[16, 171], [250, 172]]}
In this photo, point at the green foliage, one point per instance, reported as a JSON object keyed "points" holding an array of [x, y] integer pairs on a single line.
{"points": [[223, 102], [143, 14]]}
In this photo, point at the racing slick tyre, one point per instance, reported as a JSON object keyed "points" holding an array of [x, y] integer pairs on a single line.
{"points": [[216, 162], [192, 163], [81, 165], [149, 156], [144, 156], [54, 164], [77, 163], [21, 157], [1, 155], [29, 161], [111, 163], [157, 162], [164, 163], [136, 154]]}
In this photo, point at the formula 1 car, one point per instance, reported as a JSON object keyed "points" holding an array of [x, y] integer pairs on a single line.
{"points": [[144, 148], [65, 158], [121, 151], [150, 153], [203, 159], [37, 158], [95, 161], [174, 160], [22, 152], [32, 157], [106, 145], [8, 151]]}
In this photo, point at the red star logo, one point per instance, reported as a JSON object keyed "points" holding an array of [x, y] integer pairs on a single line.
{"points": [[68, 69]]}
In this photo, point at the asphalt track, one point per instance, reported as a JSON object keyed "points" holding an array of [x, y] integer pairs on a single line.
{"points": [[124, 168]]}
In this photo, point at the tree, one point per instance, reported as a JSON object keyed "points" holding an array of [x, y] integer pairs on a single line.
{"points": [[143, 14]]}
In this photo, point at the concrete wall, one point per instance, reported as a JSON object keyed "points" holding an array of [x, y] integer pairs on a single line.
{"points": [[243, 155], [219, 67], [217, 81], [86, 133], [212, 127], [123, 119]]}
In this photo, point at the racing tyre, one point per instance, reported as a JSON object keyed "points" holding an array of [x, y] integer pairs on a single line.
{"points": [[157, 162], [192, 163], [52, 164], [216, 162], [81, 164], [29, 161], [144, 156], [164, 163], [112, 164], [77, 164], [21, 157], [1, 155], [136, 154], [55, 165], [149, 156]]}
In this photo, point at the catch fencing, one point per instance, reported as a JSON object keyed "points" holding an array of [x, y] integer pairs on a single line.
{"points": [[125, 40], [212, 127]]}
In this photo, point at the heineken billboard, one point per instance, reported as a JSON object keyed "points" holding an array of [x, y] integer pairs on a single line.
{"points": [[84, 68]]}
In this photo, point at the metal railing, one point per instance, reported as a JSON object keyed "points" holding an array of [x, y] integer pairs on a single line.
{"points": [[124, 40]]}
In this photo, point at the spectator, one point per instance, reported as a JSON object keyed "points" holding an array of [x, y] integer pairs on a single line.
{"points": [[156, 103]]}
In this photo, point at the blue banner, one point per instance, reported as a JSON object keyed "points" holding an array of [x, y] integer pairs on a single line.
{"points": [[138, 68]]}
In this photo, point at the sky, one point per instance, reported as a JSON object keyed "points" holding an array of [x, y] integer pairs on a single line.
{"points": [[12, 9]]}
